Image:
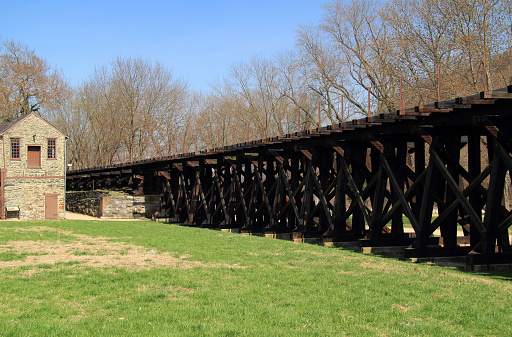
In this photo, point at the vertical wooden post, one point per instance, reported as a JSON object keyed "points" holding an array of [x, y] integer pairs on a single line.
{"points": [[342, 112], [280, 134], [292, 221], [401, 106], [474, 169], [377, 196], [319, 121], [340, 200], [439, 82], [419, 166], [298, 120], [357, 156], [449, 225], [397, 224], [369, 111], [486, 80], [494, 198]]}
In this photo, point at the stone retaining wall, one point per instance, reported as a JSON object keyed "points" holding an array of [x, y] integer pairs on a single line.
{"points": [[86, 202], [129, 206], [103, 204]]}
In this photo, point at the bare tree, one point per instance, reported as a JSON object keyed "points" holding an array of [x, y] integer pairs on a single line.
{"points": [[129, 110], [451, 36], [28, 83], [350, 65], [361, 39], [72, 121], [142, 99], [363, 47]]}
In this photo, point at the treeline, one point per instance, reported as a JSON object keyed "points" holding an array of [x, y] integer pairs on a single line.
{"points": [[351, 64]]}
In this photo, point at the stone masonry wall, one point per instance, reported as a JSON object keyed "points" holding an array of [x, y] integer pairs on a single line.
{"points": [[34, 131], [102, 204], [86, 202], [123, 207], [27, 187], [29, 196]]}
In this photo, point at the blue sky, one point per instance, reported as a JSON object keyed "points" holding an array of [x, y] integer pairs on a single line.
{"points": [[197, 39]]}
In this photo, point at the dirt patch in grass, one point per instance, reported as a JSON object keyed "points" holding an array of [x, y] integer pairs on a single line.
{"points": [[97, 252]]}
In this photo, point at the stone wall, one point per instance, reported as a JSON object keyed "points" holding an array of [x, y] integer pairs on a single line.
{"points": [[33, 130], [103, 204], [29, 196], [129, 206], [26, 188], [85, 202]]}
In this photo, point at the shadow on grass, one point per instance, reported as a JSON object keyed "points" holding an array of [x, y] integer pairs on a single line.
{"points": [[457, 263], [505, 275]]}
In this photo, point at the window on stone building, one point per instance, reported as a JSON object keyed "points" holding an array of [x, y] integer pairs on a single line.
{"points": [[15, 148], [51, 149]]}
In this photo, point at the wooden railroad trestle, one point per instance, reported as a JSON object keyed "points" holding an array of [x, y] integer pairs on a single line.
{"points": [[358, 180]]}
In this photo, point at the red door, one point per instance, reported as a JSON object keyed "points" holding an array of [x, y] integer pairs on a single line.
{"points": [[51, 207], [34, 156]]}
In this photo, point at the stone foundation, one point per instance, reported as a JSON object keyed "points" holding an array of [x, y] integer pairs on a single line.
{"points": [[110, 206], [28, 195]]}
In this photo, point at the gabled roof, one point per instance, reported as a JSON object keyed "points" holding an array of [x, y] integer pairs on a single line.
{"points": [[5, 127]]}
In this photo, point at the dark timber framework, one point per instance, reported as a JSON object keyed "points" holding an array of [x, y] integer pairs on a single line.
{"points": [[354, 181]]}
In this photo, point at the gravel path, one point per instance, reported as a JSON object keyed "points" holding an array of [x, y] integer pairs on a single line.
{"points": [[78, 216]]}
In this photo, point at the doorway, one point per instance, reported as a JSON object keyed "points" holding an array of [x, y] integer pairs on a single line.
{"points": [[51, 209]]}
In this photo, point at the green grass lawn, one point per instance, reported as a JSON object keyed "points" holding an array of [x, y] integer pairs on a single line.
{"points": [[100, 278]]}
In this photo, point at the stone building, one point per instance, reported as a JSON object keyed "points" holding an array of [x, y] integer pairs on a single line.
{"points": [[33, 169]]}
